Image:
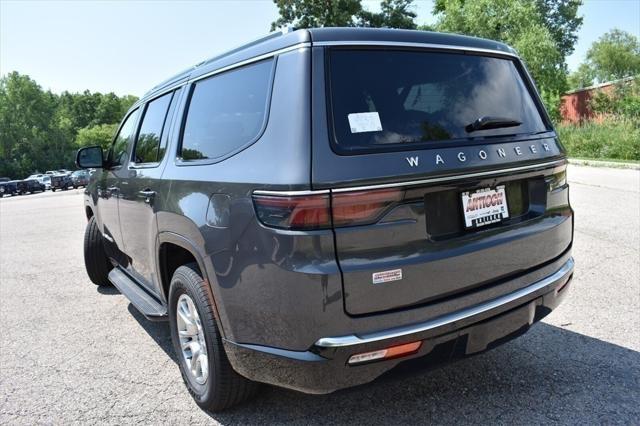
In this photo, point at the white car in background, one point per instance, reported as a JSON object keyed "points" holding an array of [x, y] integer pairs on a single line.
{"points": [[44, 179]]}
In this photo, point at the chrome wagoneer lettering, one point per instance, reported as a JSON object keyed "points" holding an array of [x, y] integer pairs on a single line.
{"points": [[437, 158]]}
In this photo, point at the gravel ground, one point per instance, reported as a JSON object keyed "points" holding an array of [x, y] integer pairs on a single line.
{"points": [[73, 354]]}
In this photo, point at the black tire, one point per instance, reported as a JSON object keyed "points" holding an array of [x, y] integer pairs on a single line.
{"points": [[95, 258], [224, 387]]}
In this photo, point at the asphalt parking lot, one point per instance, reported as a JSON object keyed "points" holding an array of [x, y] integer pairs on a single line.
{"points": [[71, 353]]}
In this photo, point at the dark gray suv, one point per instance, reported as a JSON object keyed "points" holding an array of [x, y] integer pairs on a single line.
{"points": [[314, 208]]}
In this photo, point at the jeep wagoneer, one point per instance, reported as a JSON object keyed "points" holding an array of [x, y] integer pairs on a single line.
{"points": [[316, 207]]}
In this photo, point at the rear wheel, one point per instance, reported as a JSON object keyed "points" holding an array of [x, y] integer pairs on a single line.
{"points": [[204, 365], [95, 258]]}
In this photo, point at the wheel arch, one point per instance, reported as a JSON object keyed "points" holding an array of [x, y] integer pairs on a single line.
{"points": [[173, 251]]}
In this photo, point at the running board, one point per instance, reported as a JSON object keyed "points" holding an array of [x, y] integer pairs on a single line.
{"points": [[148, 305]]}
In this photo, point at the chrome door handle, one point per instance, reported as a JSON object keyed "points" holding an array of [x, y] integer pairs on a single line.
{"points": [[148, 195]]}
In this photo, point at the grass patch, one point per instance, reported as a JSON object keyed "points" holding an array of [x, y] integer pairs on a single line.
{"points": [[608, 160], [613, 139]]}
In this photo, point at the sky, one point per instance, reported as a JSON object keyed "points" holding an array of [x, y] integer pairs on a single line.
{"points": [[127, 47]]}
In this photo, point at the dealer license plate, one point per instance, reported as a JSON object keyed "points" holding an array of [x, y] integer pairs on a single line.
{"points": [[484, 206]]}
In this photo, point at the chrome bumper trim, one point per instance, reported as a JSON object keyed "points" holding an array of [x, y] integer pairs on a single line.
{"points": [[352, 339]]}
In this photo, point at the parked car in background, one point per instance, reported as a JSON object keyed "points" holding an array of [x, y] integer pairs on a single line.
{"points": [[80, 178], [61, 181], [30, 186], [43, 179], [7, 187], [16, 186]]}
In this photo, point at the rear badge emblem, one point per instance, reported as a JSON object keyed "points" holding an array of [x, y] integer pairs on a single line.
{"points": [[387, 276]]}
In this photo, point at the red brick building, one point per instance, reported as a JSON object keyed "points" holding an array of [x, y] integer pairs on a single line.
{"points": [[574, 106]]}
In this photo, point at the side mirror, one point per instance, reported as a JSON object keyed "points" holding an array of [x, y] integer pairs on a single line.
{"points": [[90, 158]]}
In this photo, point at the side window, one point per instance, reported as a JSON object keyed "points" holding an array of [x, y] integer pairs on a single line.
{"points": [[147, 148], [226, 111], [118, 153]]}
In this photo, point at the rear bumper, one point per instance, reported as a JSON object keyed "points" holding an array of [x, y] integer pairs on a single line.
{"points": [[323, 368]]}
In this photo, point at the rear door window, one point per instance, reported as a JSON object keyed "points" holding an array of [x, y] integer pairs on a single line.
{"points": [[148, 149], [227, 112], [118, 153], [402, 99]]}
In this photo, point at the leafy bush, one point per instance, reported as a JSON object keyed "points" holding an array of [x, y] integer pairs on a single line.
{"points": [[614, 138], [623, 101]]}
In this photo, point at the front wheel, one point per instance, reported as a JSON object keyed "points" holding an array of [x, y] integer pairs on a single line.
{"points": [[204, 365], [95, 258]]}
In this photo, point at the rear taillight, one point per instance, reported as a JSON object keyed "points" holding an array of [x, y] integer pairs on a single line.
{"points": [[320, 211], [303, 212], [557, 180], [362, 207]]}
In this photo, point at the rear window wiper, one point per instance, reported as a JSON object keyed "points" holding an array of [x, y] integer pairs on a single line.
{"points": [[487, 122]]}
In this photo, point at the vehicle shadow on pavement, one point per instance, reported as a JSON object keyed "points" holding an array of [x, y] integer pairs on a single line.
{"points": [[159, 331], [109, 290], [550, 374]]}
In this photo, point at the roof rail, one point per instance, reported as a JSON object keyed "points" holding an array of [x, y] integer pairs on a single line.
{"points": [[272, 35], [178, 76]]}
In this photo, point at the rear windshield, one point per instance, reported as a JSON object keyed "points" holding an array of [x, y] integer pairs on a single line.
{"points": [[387, 99]]}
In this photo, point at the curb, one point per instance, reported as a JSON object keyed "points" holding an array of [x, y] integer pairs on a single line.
{"points": [[604, 163]]}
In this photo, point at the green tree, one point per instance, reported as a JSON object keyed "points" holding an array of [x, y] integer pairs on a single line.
{"points": [[108, 109], [29, 137], [78, 108], [126, 102], [561, 18], [100, 134], [41, 131], [393, 14], [316, 13], [581, 78], [520, 23], [614, 55], [343, 13]]}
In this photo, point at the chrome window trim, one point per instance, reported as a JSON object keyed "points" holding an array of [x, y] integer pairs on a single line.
{"points": [[416, 45], [251, 60], [160, 93], [190, 80], [307, 44], [352, 339]]}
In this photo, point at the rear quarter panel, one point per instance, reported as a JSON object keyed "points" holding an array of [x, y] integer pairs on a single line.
{"points": [[255, 272]]}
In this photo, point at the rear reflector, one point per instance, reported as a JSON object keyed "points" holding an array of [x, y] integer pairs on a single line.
{"points": [[388, 353]]}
